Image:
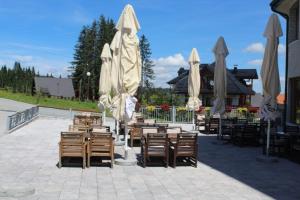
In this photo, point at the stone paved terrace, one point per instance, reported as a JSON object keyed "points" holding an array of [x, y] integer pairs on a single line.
{"points": [[29, 156]]}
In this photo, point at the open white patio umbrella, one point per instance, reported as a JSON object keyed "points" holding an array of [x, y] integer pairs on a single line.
{"points": [[104, 81], [129, 66], [270, 74], [220, 74], [194, 83]]}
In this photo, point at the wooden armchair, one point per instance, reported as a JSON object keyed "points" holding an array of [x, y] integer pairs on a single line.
{"points": [[155, 145], [101, 145], [173, 132], [72, 144], [213, 127], [248, 134], [186, 145], [149, 121]]}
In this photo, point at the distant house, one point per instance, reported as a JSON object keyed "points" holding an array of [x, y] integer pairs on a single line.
{"points": [[56, 87], [239, 84]]}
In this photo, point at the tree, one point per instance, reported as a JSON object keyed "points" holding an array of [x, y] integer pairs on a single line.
{"points": [[147, 68], [87, 57]]}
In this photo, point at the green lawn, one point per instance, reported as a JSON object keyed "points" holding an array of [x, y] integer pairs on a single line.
{"points": [[50, 102]]}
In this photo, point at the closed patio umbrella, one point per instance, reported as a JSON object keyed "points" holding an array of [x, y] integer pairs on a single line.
{"points": [[129, 66], [221, 52], [115, 83], [270, 74], [104, 82], [194, 83]]}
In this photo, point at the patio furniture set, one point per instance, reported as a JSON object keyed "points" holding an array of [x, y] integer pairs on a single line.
{"points": [[245, 132], [87, 138]]}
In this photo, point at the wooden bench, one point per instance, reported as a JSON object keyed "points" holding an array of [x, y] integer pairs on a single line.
{"points": [[101, 145], [72, 144]]}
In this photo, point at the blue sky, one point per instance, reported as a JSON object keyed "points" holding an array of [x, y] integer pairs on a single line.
{"points": [[43, 33]]}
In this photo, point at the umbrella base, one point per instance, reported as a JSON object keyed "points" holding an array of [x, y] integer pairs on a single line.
{"points": [[266, 159], [128, 162]]}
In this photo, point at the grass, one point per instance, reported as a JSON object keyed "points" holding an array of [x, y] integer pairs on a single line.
{"points": [[50, 102]]}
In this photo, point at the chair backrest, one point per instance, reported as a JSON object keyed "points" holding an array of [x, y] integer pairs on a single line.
{"points": [[99, 128], [80, 120], [162, 128], [174, 130], [78, 128], [71, 143], [292, 129], [250, 130], [214, 122], [157, 140], [241, 121], [101, 142], [187, 140], [94, 120]]}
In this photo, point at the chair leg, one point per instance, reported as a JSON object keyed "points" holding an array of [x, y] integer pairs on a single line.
{"points": [[131, 140], [112, 161], [59, 162], [167, 159], [174, 160], [88, 161], [83, 162]]}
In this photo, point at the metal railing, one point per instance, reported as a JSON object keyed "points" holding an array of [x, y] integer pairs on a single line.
{"points": [[21, 118], [172, 115]]}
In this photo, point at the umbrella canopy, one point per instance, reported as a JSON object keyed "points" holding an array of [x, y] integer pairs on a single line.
{"points": [[129, 76], [221, 52], [269, 70], [194, 81], [115, 67], [104, 82]]}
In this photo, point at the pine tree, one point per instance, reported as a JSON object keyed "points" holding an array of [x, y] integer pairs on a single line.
{"points": [[147, 68], [87, 57]]}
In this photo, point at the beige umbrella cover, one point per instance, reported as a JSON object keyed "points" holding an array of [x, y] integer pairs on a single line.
{"points": [[130, 61], [104, 82], [221, 52], [269, 70], [115, 67], [194, 81]]}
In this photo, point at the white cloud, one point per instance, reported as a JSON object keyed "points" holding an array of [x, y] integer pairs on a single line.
{"points": [[21, 58], [166, 68], [256, 62], [255, 48], [260, 48]]}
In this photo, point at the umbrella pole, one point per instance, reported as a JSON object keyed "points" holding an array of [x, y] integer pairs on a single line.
{"points": [[126, 140], [268, 137], [194, 125], [220, 126], [103, 117]]}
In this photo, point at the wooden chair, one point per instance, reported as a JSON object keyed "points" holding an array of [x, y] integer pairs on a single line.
{"points": [[199, 121], [173, 132], [155, 145], [101, 145], [213, 127], [248, 134], [100, 129], [186, 145], [72, 144], [162, 128]]}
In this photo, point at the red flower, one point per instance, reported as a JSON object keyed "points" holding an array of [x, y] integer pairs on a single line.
{"points": [[228, 108], [165, 107]]}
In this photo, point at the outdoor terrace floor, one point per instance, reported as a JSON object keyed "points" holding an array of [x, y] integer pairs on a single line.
{"points": [[29, 156]]}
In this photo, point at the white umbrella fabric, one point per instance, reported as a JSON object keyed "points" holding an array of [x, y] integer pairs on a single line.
{"points": [[194, 82], [270, 73], [220, 75], [104, 81], [129, 66]]}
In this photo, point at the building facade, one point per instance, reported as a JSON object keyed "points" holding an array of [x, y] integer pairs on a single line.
{"points": [[289, 9], [239, 85]]}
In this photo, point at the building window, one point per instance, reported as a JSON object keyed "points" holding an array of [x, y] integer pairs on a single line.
{"points": [[295, 100]]}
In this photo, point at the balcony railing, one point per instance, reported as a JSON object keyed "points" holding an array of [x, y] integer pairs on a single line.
{"points": [[21, 118]]}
